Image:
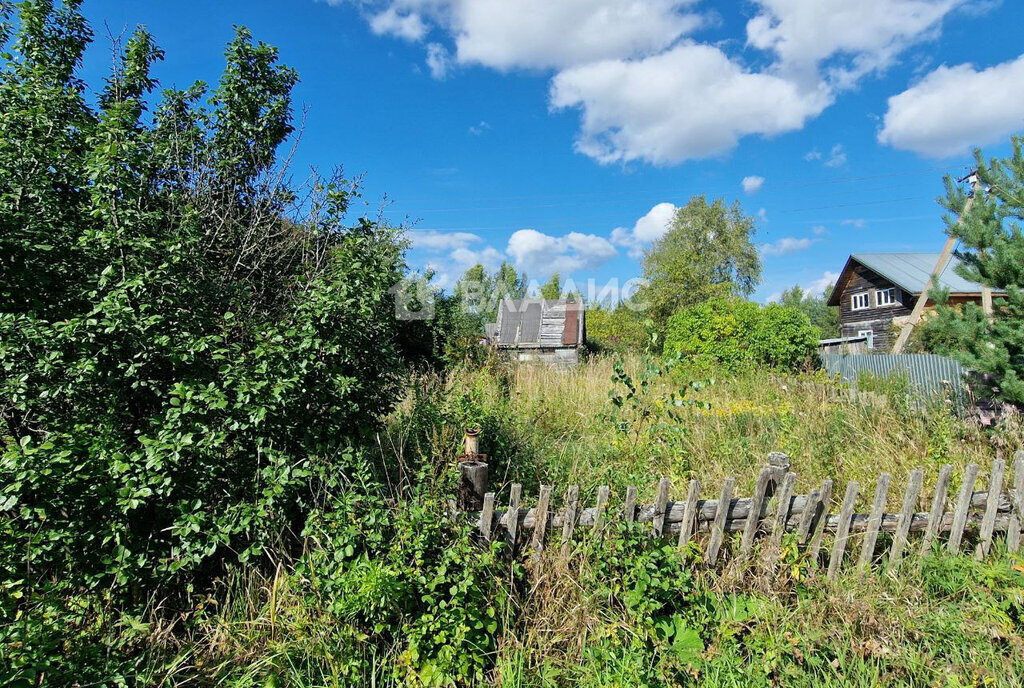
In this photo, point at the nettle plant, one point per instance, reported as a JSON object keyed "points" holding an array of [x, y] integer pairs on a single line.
{"points": [[186, 340]]}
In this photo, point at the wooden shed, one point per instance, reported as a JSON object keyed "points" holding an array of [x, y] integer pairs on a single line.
{"points": [[551, 330]]}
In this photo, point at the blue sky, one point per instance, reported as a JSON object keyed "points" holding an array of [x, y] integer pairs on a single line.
{"points": [[561, 134]]}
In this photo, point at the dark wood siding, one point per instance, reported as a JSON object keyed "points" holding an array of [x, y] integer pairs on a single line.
{"points": [[877, 319]]}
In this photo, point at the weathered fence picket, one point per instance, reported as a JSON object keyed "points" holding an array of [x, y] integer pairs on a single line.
{"points": [[774, 509]]}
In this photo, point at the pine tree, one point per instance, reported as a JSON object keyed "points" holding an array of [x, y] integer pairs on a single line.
{"points": [[992, 253]]}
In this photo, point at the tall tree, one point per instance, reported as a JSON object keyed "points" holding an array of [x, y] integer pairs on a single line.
{"points": [[480, 292], [708, 252], [816, 307], [552, 289], [992, 253]]}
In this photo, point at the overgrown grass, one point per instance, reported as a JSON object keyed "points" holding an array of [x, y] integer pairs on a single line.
{"points": [[560, 427]]}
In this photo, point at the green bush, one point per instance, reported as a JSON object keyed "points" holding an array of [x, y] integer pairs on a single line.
{"points": [[618, 329], [186, 357], [739, 333]]}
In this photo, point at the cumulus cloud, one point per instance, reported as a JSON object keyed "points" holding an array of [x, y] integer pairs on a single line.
{"points": [[752, 184], [956, 108], [408, 26], [847, 39], [786, 245], [541, 253], [689, 102], [645, 89], [460, 249], [813, 288], [646, 230]]}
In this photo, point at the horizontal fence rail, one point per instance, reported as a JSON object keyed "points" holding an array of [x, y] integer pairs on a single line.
{"points": [[774, 510]]}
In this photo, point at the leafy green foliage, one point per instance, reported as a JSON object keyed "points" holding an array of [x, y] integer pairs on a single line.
{"points": [[737, 333], [821, 315], [707, 253], [183, 354], [992, 253], [619, 330]]}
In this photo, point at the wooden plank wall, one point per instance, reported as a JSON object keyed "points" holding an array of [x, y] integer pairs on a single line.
{"points": [[965, 520]]}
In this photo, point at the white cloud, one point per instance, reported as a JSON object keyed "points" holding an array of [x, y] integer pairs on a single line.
{"points": [[689, 102], [847, 39], [819, 230], [752, 184], [836, 157], [433, 240], [786, 245], [854, 222], [762, 214], [438, 60], [408, 26], [647, 91], [647, 229], [478, 129], [955, 108], [537, 252], [489, 257]]}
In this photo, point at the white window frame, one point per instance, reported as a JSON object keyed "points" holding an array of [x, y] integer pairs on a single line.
{"points": [[890, 297], [870, 334], [867, 301]]}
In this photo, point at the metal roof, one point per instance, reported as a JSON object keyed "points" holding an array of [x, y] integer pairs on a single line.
{"points": [[538, 323], [911, 271]]}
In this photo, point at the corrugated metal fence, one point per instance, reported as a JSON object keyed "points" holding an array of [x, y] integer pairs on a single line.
{"points": [[930, 376]]}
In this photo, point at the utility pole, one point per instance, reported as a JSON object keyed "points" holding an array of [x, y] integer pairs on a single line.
{"points": [[947, 251]]}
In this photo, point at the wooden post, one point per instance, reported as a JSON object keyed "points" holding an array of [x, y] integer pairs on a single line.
{"points": [[931, 530], [472, 485], [718, 527], [782, 512], [963, 507], [803, 530], [867, 550], [757, 503], [899, 540], [818, 526], [630, 508], [689, 525], [660, 502], [1013, 533], [842, 530], [569, 522], [602, 506], [487, 516], [512, 515], [988, 521], [540, 524]]}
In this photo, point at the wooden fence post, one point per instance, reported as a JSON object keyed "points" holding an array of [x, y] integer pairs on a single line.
{"points": [[569, 522], [472, 485], [1013, 534], [718, 527], [842, 530], [540, 522], [931, 530], [963, 507], [899, 540], [988, 521], [512, 515], [689, 525], [819, 526], [867, 550], [660, 503]]}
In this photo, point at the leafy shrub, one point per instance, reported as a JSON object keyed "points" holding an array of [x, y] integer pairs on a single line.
{"points": [[737, 333], [618, 329], [186, 357]]}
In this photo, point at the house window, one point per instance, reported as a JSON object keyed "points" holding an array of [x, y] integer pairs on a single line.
{"points": [[870, 335], [859, 302], [885, 297]]}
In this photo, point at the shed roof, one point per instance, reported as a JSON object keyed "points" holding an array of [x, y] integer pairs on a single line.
{"points": [[909, 271], [547, 323]]}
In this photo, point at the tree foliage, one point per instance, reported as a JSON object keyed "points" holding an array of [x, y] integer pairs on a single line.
{"points": [[815, 306], [992, 254], [736, 333], [186, 340], [708, 252]]}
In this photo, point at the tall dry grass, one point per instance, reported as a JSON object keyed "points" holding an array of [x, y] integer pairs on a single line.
{"points": [[556, 426]]}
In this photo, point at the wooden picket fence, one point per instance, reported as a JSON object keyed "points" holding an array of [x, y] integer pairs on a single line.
{"points": [[775, 509]]}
